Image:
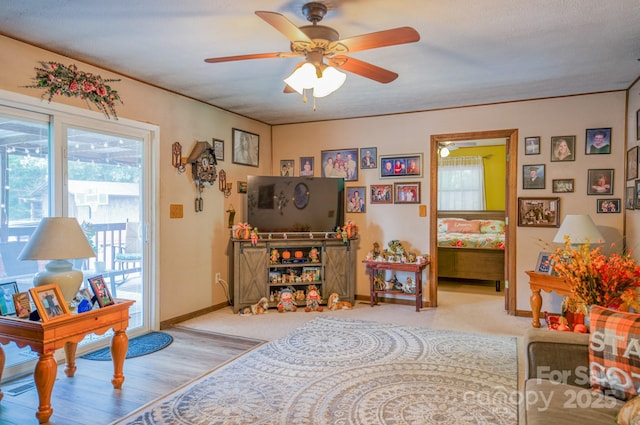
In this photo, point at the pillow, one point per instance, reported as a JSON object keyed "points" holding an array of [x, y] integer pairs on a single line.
{"points": [[614, 352], [492, 226], [463, 226], [442, 223], [630, 413]]}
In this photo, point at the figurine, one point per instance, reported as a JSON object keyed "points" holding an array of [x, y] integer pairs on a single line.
{"points": [[260, 307], [254, 236], [334, 303], [313, 299], [376, 250], [286, 301], [275, 256], [313, 255]]}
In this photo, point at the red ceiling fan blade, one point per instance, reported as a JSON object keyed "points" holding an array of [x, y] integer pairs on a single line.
{"points": [[363, 69], [385, 38], [253, 56], [285, 26]]}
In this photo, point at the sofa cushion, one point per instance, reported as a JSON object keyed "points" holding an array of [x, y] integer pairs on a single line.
{"points": [[614, 352]]}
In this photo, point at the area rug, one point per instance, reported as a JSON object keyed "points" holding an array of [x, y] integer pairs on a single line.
{"points": [[343, 371], [138, 346]]}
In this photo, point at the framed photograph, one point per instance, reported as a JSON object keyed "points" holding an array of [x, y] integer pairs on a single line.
{"points": [[368, 158], [533, 176], [638, 124], [600, 181], [356, 199], [562, 185], [22, 304], [563, 148], [401, 166], [532, 145], [286, 167], [539, 212], [218, 149], [101, 291], [242, 187], [7, 291], [543, 264], [630, 196], [406, 193], [632, 163], [381, 194], [598, 141], [608, 205], [246, 148], [306, 166], [340, 163], [637, 193], [49, 302]]}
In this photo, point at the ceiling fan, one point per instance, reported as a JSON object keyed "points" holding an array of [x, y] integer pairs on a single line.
{"points": [[319, 43]]}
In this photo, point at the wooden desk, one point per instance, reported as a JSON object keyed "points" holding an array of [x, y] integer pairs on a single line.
{"points": [[66, 332], [374, 266], [544, 282]]}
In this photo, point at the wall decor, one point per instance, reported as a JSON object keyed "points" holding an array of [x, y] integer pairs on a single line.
{"points": [[543, 265], [368, 158], [532, 145], [287, 167], [598, 141], [381, 194], [49, 302], [356, 199], [638, 124], [632, 163], [242, 187], [7, 291], [630, 198], [401, 166], [539, 212], [563, 148], [637, 193], [608, 205], [246, 148], [340, 163], [218, 149], [562, 185], [533, 176], [306, 166], [600, 181], [406, 193]]}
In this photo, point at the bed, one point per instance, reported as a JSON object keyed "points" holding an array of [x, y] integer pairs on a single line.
{"points": [[471, 245]]}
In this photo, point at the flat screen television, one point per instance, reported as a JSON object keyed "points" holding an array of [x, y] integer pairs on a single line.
{"points": [[295, 204]]}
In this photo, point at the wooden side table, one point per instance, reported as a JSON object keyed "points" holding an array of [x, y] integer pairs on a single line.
{"points": [[544, 282], [66, 332], [417, 269]]}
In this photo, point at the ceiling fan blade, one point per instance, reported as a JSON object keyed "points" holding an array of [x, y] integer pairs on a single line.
{"points": [[285, 26], [253, 56], [385, 38], [362, 68], [288, 89]]}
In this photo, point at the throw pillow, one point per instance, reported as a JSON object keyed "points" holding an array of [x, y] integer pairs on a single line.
{"points": [[492, 226], [614, 352], [630, 413], [466, 226]]}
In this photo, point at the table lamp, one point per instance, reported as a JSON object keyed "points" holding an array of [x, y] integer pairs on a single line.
{"points": [[580, 229], [58, 239]]}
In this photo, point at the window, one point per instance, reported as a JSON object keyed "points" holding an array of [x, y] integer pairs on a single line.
{"points": [[461, 183]]}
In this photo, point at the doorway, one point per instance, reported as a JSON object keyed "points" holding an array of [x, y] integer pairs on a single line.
{"points": [[511, 140]]}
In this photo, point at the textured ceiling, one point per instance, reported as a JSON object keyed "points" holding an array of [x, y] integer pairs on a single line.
{"points": [[470, 52]]}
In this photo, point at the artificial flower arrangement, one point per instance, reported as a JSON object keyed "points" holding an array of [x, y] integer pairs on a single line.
{"points": [[59, 79]]}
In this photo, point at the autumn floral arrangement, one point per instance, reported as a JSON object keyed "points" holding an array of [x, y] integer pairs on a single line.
{"points": [[63, 80], [598, 279]]}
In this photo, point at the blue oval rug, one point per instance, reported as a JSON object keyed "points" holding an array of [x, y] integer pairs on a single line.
{"points": [[138, 346]]}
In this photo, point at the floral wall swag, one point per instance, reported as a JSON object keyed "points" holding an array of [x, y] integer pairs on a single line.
{"points": [[59, 79]]}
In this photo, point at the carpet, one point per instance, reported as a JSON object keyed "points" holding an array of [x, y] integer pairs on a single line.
{"points": [[138, 346], [344, 371]]}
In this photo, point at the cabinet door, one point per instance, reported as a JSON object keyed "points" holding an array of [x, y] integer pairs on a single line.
{"points": [[338, 273], [251, 266]]}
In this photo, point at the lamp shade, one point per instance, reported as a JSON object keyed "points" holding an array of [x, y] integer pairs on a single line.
{"points": [[580, 229], [322, 79]]}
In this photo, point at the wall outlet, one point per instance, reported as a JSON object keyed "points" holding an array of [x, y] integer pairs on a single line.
{"points": [[217, 277]]}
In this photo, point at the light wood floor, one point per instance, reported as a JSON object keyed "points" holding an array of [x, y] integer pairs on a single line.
{"points": [[89, 398]]}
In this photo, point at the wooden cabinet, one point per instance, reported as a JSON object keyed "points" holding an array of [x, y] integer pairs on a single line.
{"points": [[256, 275]]}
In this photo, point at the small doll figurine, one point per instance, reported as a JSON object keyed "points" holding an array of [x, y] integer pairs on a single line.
{"points": [[254, 236], [275, 256], [313, 255], [313, 299], [286, 301]]}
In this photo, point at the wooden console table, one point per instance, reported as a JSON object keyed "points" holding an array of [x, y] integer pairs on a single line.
{"points": [[544, 282], [415, 268], [66, 332]]}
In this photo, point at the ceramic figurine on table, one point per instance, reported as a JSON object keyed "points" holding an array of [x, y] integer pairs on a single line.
{"points": [[313, 255], [275, 256]]}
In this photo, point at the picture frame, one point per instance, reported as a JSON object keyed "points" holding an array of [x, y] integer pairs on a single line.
{"points": [[242, 187], [401, 166], [598, 141], [355, 202], [287, 167], [49, 302], [533, 176], [381, 194], [638, 124], [600, 181], [607, 206], [539, 212], [245, 148], [632, 163], [406, 193], [532, 145], [340, 163], [636, 189], [22, 304], [100, 290], [368, 158], [306, 166], [563, 185], [7, 291], [218, 149], [563, 148], [543, 265], [630, 198]]}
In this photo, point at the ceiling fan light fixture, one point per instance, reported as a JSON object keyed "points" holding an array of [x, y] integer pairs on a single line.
{"points": [[303, 77], [444, 152], [331, 80], [306, 77]]}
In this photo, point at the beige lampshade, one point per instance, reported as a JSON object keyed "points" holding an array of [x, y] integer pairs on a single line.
{"points": [[57, 238], [580, 229]]}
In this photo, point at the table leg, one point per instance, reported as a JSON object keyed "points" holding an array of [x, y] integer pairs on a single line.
{"points": [[536, 304], [418, 291], [2, 360], [70, 356], [44, 377], [372, 290], [119, 346]]}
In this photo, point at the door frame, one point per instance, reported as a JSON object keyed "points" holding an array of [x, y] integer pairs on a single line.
{"points": [[511, 177]]}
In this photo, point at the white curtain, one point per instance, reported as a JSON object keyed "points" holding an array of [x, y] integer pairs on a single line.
{"points": [[461, 183]]}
